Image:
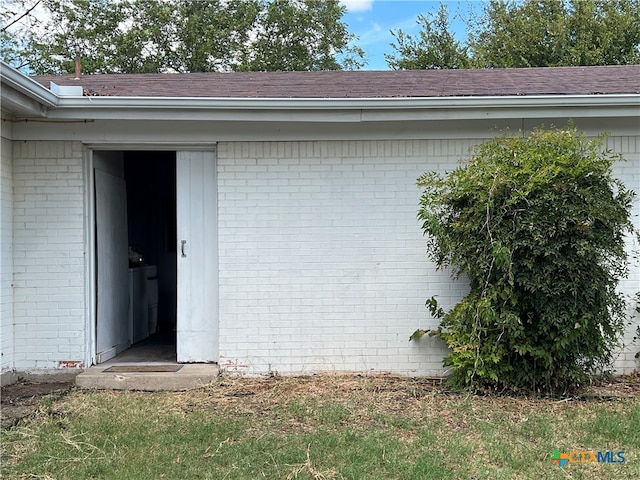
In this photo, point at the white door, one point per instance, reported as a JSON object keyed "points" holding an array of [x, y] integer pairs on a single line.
{"points": [[197, 322], [112, 299]]}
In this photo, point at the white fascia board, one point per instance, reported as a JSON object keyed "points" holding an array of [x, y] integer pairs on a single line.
{"points": [[343, 110], [18, 105], [27, 86]]}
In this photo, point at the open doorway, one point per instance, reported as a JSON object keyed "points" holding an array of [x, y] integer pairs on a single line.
{"points": [[135, 200], [156, 203]]}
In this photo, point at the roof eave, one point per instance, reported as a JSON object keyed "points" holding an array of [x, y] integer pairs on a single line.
{"points": [[342, 109], [32, 91]]}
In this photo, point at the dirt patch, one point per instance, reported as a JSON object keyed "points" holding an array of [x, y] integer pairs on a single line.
{"points": [[620, 386], [21, 399]]}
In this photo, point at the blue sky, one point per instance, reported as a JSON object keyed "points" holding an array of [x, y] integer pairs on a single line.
{"points": [[372, 20]]}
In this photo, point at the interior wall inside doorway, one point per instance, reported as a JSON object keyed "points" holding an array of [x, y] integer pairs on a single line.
{"points": [[151, 213]]}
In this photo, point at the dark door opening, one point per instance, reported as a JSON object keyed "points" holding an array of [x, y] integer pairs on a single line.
{"points": [[150, 178]]}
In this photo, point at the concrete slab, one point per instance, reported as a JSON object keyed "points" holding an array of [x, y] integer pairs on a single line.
{"points": [[190, 376]]}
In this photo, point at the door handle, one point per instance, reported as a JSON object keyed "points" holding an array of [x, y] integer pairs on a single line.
{"points": [[182, 244]]}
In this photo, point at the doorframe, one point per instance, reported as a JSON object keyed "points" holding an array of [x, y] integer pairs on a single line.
{"points": [[90, 218]]}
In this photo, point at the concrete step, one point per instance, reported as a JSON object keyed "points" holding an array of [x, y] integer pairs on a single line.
{"points": [[190, 376]]}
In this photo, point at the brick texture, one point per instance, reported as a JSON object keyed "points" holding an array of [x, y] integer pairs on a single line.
{"points": [[628, 170], [322, 263], [49, 254], [322, 259]]}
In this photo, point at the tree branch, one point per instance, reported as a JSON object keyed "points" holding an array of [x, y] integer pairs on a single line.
{"points": [[21, 16]]}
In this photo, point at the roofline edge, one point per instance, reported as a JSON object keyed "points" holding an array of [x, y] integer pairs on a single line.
{"points": [[27, 86], [243, 103]]}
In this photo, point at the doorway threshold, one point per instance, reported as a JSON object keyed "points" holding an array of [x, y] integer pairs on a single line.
{"points": [[158, 348], [189, 377], [149, 365]]}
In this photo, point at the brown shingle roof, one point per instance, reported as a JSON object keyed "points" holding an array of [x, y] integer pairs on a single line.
{"points": [[364, 84]]}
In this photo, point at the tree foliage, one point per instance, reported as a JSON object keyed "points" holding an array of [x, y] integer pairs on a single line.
{"points": [[435, 47], [295, 38], [537, 225], [148, 36], [550, 33], [530, 33]]}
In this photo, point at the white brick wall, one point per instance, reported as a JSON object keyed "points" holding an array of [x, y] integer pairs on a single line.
{"points": [[322, 259], [6, 260], [49, 252], [629, 172]]}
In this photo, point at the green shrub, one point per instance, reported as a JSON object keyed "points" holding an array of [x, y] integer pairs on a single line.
{"points": [[536, 223]]}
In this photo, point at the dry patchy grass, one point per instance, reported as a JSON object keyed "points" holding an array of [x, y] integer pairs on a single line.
{"points": [[323, 427]]}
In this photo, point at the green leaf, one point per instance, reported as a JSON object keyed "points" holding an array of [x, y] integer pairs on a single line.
{"points": [[417, 334]]}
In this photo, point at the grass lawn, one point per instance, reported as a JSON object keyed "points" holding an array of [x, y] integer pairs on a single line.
{"points": [[321, 427]]}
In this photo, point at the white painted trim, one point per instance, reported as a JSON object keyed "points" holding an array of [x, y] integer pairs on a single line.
{"points": [[90, 261], [153, 147], [175, 135], [107, 354], [221, 103], [25, 85], [345, 110]]}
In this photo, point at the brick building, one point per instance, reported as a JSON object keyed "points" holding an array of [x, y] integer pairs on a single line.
{"points": [[279, 209]]}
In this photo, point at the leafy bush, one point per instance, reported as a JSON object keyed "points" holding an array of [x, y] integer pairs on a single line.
{"points": [[537, 224]]}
